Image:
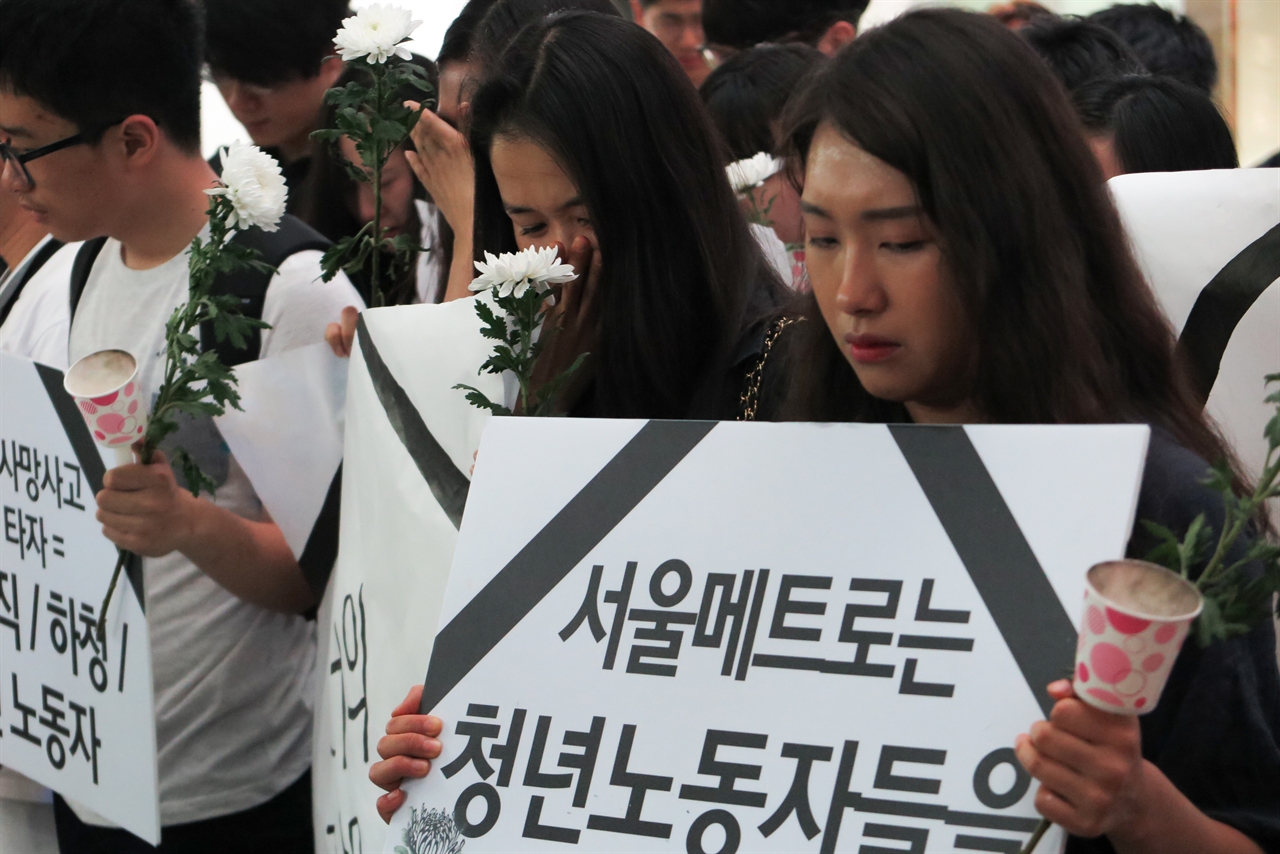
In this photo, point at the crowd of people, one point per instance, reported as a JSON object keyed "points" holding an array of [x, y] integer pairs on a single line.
{"points": [[937, 246]]}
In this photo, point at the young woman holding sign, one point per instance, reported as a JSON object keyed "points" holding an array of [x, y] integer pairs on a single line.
{"points": [[968, 266]]}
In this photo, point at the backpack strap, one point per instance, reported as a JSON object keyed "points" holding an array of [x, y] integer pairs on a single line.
{"points": [[81, 268], [46, 252], [249, 286]]}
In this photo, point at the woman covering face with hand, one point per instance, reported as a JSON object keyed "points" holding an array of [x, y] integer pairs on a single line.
{"points": [[968, 267], [671, 286], [586, 135]]}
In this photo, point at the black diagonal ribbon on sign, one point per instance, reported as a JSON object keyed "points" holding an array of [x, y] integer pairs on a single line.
{"points": [[321, 550], [1221, 306], [554, 551], [1010, 580], [91, 465], [447, 484]]}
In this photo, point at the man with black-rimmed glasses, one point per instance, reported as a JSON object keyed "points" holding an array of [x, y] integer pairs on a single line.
{"points": [[100, 116]]}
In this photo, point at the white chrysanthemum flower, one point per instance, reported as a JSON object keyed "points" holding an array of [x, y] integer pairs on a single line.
{"points": [[513, 273], [251, 179], [752, 172], [377, 32]]}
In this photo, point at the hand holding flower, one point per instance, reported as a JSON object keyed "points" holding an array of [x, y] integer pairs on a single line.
{"points": [[1089, 764], [576, 319], [143, 509]]}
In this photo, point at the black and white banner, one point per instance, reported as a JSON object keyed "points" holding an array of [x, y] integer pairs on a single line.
{"points": [[686, 636], [410, 441], [75, 711], [1209, 244], [288, 437]]}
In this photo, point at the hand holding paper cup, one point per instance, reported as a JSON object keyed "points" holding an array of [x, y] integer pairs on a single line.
{"points": [[107, 393], [1136, 616]]}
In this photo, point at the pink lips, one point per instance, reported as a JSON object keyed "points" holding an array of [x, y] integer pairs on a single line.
{"points": [[869, 349]]}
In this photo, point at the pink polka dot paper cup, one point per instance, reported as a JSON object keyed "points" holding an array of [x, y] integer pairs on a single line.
{"points": [[1136, 616], [106, 391]]}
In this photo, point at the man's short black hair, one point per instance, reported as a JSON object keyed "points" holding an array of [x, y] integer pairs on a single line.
{"points": [[1168, 44], [266, 42], [746, 23], [1078, 51], [96, 62]]}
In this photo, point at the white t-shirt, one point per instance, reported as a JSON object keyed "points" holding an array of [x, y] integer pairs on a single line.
{"points": [[233, 681], [38, 321]]}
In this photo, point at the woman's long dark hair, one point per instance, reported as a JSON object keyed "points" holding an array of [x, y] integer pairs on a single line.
{"points": [[1066, 329], [616, 111]]}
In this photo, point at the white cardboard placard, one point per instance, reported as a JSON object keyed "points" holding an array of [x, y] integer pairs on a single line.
{"points": [[934, 577], [288, 433], [396, 544], [75, 715], [1185, 227]]}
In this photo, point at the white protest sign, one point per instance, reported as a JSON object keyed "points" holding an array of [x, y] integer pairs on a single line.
{"points": [[288, 436], [75, 713], [685, 636], [410, 438], [1209, 244]]}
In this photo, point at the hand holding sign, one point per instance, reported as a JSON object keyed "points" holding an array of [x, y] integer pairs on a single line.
{"points": [[411, 741]]}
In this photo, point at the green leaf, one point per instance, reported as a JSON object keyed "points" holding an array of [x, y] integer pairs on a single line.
{"points": [[478, 399]]}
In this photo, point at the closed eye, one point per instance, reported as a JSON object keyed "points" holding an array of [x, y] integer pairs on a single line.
{"points": [[909, 246]]}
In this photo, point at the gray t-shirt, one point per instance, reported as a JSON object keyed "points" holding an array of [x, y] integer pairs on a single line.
{"points": [[233, 690]]}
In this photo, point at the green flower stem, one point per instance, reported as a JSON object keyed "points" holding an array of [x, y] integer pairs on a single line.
{"points": [[379, 159], [195, 383], [1040, 831], [1236, 522]]}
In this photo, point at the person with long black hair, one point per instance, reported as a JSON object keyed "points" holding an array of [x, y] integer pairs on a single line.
{"points": [[975, 271], [673, 291], [673, 294], [638, 198]]}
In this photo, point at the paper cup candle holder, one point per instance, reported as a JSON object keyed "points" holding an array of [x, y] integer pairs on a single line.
{"points": [[105, 388], [1136, 616]]}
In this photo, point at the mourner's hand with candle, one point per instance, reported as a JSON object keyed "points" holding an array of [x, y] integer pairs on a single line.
{"points": [[412, 740], [1094, 782], [143, 509]]}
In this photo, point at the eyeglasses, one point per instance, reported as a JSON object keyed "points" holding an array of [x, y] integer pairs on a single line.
{"points": [[11, 158]]}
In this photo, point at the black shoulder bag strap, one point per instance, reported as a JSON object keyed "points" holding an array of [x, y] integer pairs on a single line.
{"points": [[249, 286], [41, 258], [81, 268]]}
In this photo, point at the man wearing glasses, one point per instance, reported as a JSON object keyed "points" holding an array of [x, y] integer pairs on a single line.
{"points": [[112, 158], [34, 311], [678, 25]]}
